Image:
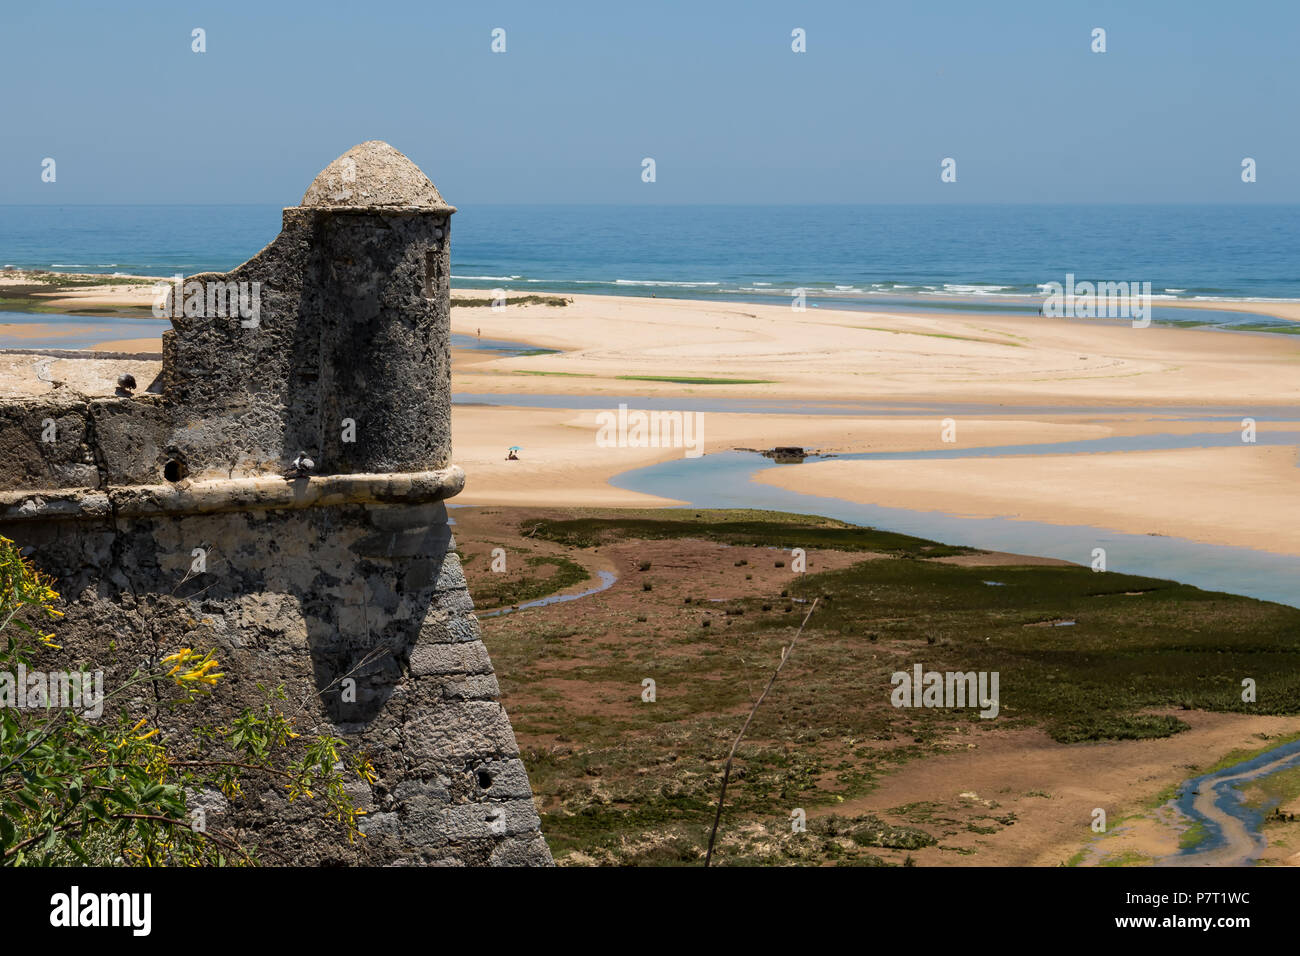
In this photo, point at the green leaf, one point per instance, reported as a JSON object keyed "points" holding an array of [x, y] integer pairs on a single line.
{"points": [[76, 848]]}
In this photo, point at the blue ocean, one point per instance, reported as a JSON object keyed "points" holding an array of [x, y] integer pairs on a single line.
{"points": [[854, 254]]}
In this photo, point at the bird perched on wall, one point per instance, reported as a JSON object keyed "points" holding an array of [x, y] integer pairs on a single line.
{"points": [[125, 383], [302, 466]]}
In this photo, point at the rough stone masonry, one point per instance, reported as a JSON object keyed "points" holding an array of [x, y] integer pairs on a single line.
{"points": [[340, 574]]}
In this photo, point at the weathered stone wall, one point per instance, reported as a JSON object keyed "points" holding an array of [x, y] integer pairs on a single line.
{"points": [[312, 580], [304, 598], [70, 442], [353, 325]]}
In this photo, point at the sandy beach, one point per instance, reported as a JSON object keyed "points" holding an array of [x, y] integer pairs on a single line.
{"points": [[1231, 496], [1001, 379], [829, 355], [823, 354], [946, 362], [1004, 380]]}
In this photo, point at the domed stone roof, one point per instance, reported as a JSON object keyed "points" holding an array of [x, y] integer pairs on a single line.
{"points": [[373, 174]]}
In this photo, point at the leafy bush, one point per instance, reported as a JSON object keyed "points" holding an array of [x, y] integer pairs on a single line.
{"points": [[78, 786]]}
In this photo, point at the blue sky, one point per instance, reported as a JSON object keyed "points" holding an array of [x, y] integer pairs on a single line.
{"points": [[711, 91]]}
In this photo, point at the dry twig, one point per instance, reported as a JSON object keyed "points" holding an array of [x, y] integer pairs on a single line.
{"points": [[726, 771]]}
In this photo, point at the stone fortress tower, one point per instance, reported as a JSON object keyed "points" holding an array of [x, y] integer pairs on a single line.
{"points": [[337, 580]]}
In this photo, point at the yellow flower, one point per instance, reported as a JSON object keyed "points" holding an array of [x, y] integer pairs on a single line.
{"points": [[232, 789], [198, 676], [179, 659], [190, 667]]}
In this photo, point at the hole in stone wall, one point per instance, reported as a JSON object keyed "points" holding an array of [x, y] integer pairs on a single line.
{"points": [[484, 779], [430, 273], [173, 470]]}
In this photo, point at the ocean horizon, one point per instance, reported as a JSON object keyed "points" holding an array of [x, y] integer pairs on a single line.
{"points": [[846, 253]]}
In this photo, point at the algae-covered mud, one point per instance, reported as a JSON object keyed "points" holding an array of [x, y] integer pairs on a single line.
{"points": [[1108, 712], [724, 480]]}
